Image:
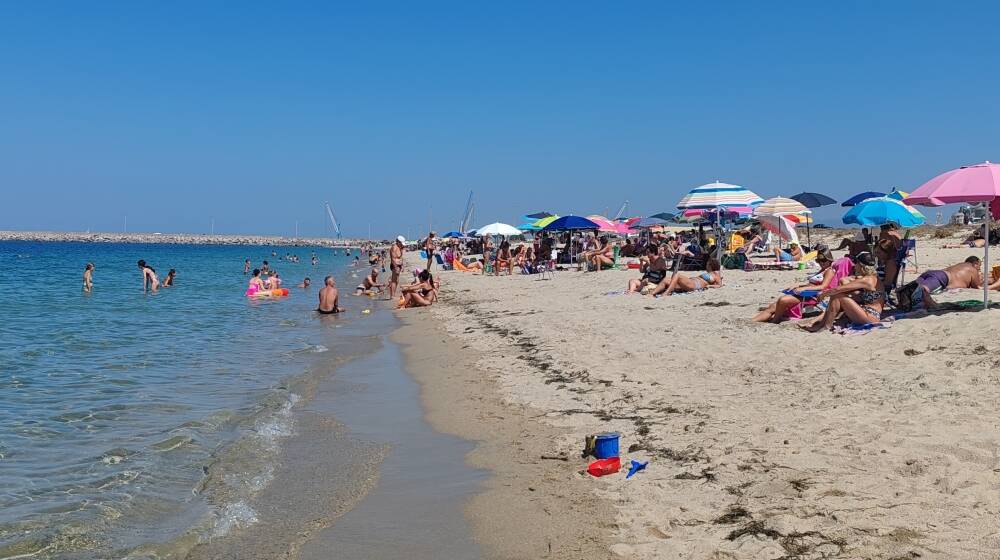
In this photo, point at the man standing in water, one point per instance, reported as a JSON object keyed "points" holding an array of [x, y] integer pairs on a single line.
{"points": [[329, 298], [149, 280], [88, 282], [395, 264]]}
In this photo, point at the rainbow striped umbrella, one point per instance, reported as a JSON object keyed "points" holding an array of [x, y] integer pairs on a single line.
{"points": [[780, 206], [715, 195]]}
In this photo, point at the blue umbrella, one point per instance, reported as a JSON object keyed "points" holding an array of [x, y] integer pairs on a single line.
{"points": [[854, 200], [453, 234], [881, 211], [567, 223]]}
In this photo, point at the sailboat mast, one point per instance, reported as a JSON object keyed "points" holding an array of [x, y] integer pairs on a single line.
{"points": [[333, 219]]}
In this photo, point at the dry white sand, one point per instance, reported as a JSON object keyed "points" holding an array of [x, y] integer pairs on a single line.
{"points": [[764, 441]]}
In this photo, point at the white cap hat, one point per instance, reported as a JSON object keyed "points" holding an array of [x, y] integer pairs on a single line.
{"points": [[401, 239]]}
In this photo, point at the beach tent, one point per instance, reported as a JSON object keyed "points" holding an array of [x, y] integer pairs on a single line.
{"points": [[970, 183]]}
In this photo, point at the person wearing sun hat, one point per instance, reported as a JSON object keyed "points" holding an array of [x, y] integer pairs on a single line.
{"points": [[395, 264]]}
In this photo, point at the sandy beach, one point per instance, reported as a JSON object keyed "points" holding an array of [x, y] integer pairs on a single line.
{"points": [[764, 441]]}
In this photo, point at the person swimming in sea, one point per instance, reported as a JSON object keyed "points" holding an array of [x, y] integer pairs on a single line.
{"points": [[169, 280], [149, 280], [246, 266], [305, 283], [329, 300], [88, 280], [273, 281]]}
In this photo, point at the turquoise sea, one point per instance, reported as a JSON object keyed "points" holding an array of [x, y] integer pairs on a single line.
{"points": [[131, 419]]}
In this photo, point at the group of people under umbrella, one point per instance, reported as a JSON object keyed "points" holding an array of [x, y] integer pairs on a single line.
{"points": [[720, 203]]}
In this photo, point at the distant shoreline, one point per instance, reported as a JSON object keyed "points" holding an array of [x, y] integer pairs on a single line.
{"points": [[180, 239]]}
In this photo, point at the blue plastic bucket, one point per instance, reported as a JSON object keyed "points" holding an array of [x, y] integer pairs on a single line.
{"points": [[606, 445]]}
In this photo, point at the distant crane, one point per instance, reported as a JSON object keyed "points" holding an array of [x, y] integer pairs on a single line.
{"points": [[333, 219], [621, 212]]}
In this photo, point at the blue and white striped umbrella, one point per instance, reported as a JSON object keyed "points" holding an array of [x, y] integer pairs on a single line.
{"points": [[716, 195]]}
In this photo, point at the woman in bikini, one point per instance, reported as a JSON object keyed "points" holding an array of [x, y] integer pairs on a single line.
{"points": [[421, 293], [860, 298], [602, 256], [149, 280], [503, 258], [822, 281], [679, 283], [653, 268]]}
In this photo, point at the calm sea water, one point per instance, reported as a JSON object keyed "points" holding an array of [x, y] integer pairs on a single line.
{"points": [[117, 407]]}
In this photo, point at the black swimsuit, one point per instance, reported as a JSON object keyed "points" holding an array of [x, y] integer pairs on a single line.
{"points": [[331, 312]]}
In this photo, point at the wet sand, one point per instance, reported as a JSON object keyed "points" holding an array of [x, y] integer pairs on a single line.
{"points": [[536, 503], [415, 509], [363, 476]]}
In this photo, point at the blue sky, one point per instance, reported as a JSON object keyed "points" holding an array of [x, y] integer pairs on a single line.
{"points": [[255, 113]]}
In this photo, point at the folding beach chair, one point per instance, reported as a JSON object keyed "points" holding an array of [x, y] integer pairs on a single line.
{"points": [[441, 263]]}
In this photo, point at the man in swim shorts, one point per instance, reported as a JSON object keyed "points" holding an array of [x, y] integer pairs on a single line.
{"points": [[917, 294], [328, 298], [370, 283], [395, 264]]}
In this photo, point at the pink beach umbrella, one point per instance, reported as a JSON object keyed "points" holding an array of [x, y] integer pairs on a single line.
{"points": [[603, 224], [970, 183]]}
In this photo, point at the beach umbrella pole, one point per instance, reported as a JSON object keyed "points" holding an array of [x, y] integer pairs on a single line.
{"points": [[809, 239], [986, 269]]}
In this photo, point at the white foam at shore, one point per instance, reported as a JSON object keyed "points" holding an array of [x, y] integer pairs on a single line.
{"points": [[238, 515]]}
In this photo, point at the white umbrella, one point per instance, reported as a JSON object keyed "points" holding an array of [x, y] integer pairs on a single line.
{"points": [[781, 226], [497, 228]]}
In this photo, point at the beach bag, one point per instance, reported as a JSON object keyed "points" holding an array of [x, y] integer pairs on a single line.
{"points": [[733, 261]]}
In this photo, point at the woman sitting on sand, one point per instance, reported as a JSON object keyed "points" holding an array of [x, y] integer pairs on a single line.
{"points": [[790, 304], [653, 267], [503, 258], [678, 283], [421, 293], [602, 256], [860, 298]]}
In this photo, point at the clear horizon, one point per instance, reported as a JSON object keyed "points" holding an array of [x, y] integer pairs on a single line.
{"points": [[183, 114]]}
